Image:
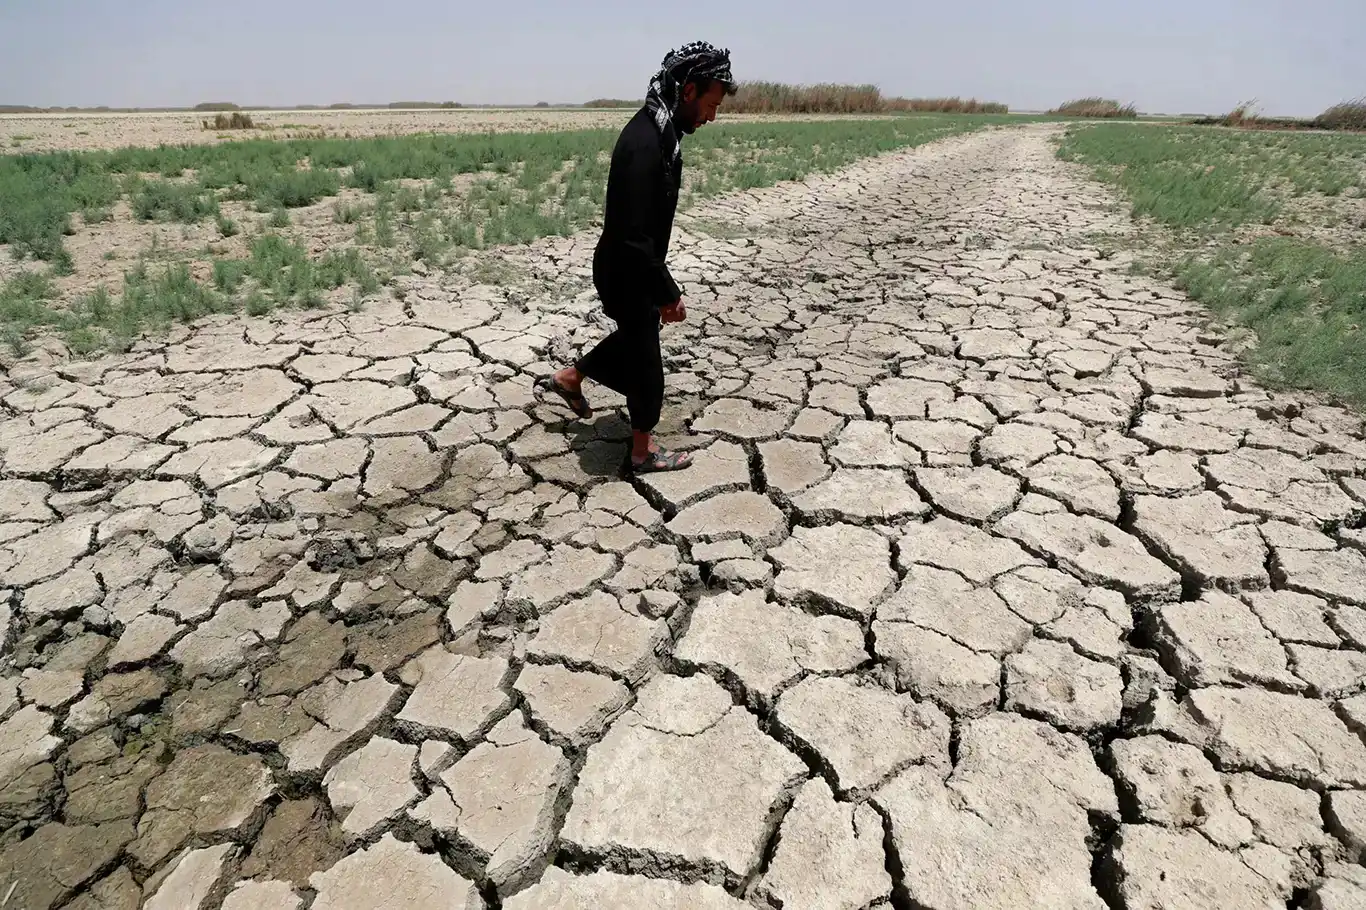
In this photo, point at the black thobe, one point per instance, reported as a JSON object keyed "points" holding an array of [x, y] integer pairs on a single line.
{"points": [[629, 271]]}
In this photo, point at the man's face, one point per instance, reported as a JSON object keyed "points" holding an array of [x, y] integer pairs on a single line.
{"points": [[700, 107]]}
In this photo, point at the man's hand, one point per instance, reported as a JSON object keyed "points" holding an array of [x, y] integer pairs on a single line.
{"points": [[674, 312]]}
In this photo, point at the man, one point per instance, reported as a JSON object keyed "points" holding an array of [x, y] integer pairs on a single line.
{"points": [[629, 271]]}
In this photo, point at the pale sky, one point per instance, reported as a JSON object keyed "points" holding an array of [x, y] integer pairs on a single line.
{"points": [[1295, 57]]}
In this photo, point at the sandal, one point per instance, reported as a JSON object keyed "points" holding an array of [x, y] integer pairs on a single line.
{"points": [[660, 460], [576, 402]]}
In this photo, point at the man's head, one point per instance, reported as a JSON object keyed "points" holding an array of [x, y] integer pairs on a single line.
{"points": [[700, 100], [693, 81]]}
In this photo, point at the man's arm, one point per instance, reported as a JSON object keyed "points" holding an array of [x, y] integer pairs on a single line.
{"points": [[638, 202]]}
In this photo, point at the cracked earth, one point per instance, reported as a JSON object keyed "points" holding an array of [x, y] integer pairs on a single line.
{"points": [[994, 585]]}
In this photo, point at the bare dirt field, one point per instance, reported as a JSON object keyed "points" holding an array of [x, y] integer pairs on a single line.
{"points": [[85, 132], [996, 584]]}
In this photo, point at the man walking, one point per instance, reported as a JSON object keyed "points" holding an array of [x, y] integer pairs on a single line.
{"points": [[629, 271]]}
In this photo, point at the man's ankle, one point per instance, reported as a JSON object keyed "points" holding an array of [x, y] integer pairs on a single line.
{"points": [[640, 445]]}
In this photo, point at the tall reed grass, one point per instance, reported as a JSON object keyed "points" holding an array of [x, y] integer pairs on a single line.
{"points": [[758, 97]]}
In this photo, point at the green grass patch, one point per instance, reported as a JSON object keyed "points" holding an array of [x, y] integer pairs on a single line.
{"points": [[24, 307], [1304, 300], [161, 200], [1306, 303], [283, 272], [1197, 178], [276, 273], [294, 189]]}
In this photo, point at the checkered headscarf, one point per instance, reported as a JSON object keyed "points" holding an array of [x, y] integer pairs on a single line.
{"points": [[697, 60]]}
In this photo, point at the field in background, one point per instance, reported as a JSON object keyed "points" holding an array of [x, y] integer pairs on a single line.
{"points": [[32, 133], [37, 130], [102, 246], [117, 223], [1269, 232]]}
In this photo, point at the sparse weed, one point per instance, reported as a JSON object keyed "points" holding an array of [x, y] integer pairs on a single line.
{"points": [[407, 200], [63, 264], [429, 243], [384, 223], [159, 200], [257, 304], [297, 188], [344, 213]]}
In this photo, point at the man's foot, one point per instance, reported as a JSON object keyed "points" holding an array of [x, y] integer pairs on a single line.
{"points": [[572, 394], [659, 460]]}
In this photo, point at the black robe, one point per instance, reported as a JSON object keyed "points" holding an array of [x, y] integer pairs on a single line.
{"points": [[629, 271], [642, 196]]}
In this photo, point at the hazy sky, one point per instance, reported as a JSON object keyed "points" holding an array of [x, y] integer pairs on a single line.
{"points": [[1169, 56]]}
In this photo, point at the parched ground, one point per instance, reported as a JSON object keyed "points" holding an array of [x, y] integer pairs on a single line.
{"points": [[994, 585], [87, 132]]}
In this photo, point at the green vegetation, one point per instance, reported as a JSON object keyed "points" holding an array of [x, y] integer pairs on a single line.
{"points": [[277, 272], [1096, 109], [1189, 177], [425, 196], [1300, 288]]}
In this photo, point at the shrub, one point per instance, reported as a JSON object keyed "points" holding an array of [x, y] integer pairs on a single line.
{"points": [[235, 121], [297, 188], [165, 201], [825, 98], [1347, 115], [946, 106], [1093, 108], [1241, 114], [1344, 116]]}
